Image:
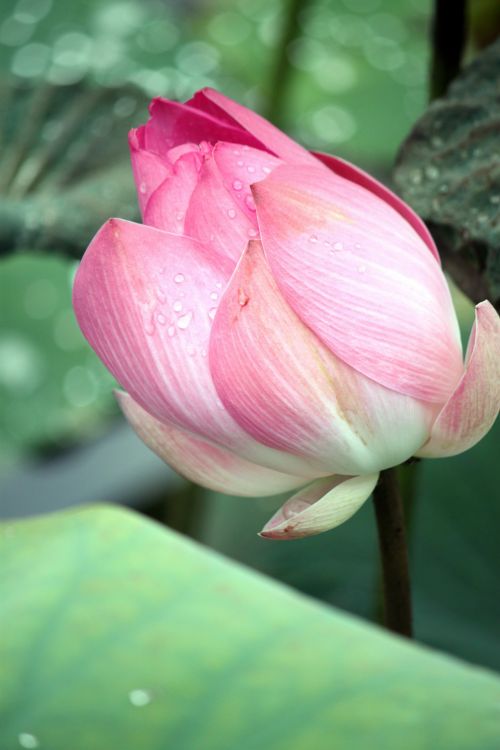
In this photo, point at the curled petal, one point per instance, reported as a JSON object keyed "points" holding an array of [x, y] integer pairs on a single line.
{"points": [[287, 390], [359, 276], [148, 168], [320, 506], [473, 407], [273, 139], [360, 177], [167, 206], [202, 461]]}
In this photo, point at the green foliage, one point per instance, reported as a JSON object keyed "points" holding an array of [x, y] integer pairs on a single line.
{"points": [[125, 635], [449, 171]]}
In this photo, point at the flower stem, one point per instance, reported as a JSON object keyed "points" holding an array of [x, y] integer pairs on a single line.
{"points": [[393, 553]]}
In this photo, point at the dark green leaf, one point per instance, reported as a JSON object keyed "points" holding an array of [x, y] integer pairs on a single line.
{"points": [[448, 169]]}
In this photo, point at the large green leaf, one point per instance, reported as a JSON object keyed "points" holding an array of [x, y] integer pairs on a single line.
{"points": [[119, 634]]}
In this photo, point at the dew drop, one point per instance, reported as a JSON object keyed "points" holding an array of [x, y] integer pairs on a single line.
{"points": [[177, 306], [28, 740], [142, 188], [218, 284], [231, 213], [179, 278], [179, 216], [140, 697], [357, 246], [236, 152], [242, 297], [313, 238], [211, 313], [203, 352], [161, 319], [214, 296], [250, 203], [240, 163], [252, 233], [250, 169], [184, 320], [171, 331], [237, 185], [160, 295], [266, 170], [338, 246]]}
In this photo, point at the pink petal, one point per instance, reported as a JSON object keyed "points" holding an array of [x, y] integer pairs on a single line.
{"points": [[215, 217], [215, 103], [202, 461], [145, 300], [148, 168], [473, 407], [360, 177], [359, 276], [167, 206], [286, 389], [239, 168], [320, 506], [172, 124]]}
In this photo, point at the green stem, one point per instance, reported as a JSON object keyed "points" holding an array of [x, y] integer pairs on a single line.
{"points": [[449, 35], [280, 76], [393, 553]]}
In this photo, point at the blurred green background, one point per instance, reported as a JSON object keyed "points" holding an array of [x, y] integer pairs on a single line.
{"points": [[353, 82]]}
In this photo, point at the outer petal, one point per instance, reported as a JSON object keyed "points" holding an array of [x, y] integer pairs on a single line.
{"points": [[360, 177], [202, 461], [210, 101], [320, 506], [144, 299], [473, 407], [287, 390], [360, 277]]}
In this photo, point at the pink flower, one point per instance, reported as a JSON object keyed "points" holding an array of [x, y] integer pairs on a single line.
{"points": [[280, 320]]}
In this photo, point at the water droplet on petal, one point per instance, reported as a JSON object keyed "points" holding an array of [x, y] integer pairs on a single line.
{"points": [[160, 295], [179, 216], [211, 313], [250, 169], [218, 285], [357, 246], [231, 213], [240, 163], [177, 306], [250, 203], [140, 697], [184, 320], [171, 331], [214, 296], [338, 246], [236, 152], [242, 297], [237, 185], [179, 278], [313, 238], [142, 188], [266, 170], [252, 233], [203, 352], [161, 319]]}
